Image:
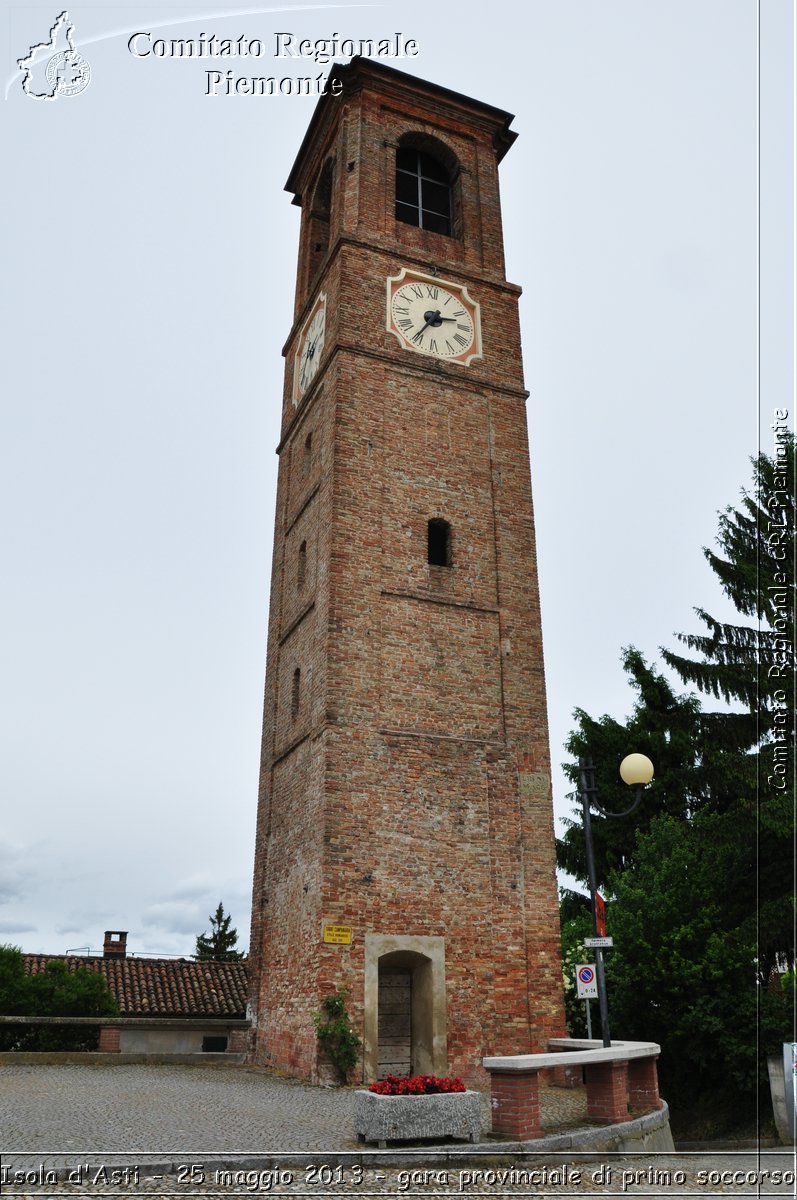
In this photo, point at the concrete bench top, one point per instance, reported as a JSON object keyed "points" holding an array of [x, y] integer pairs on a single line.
{"points": [[567, 1052]]}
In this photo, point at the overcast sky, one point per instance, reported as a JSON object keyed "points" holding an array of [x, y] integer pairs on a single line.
{"points": [[150, 254]]}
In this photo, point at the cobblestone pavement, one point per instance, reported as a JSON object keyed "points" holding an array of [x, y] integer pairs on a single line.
{"points": [[52, 1110], [200, 1131]]}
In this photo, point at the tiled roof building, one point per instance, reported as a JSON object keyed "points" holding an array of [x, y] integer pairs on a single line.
{"points": [[166, 1006], [161, 987]]}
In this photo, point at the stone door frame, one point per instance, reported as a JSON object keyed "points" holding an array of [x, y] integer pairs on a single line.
{"points": [[425, 957]]}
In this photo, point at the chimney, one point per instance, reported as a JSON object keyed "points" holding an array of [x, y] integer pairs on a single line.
{"points": [[115, 944]]}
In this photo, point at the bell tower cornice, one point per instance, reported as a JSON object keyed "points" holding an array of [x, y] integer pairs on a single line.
{"points": [[394, 87]]}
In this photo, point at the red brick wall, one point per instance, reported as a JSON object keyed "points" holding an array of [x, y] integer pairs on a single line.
{"points": [[410, 792], [110, 1036], [238, 1041]]}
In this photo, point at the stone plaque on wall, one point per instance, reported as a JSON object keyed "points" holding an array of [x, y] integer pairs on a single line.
{"points": [[534, 783]]}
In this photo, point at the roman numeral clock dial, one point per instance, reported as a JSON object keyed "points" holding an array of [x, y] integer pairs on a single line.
{"points": [[310, 349], [432, 316]]}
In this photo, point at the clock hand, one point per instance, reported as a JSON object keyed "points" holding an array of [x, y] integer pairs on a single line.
{"points": [[432, 318]]}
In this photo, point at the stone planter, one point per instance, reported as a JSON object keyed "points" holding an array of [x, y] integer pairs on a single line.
{"points": [[385, 1119]]}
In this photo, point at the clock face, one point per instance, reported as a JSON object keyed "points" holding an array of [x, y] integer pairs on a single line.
{"points": [[311, 345], [433, 317]]}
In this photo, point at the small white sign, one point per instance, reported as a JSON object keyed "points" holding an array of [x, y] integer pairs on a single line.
{"points": [[586, 981], [591, 943]]}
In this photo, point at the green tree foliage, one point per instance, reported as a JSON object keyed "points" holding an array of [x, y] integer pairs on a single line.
{"points": [[14, 989], [55, 992], [683, 970], [220, 944], [750, 665], [575, 927], [700, 876], [668, 728], [750, 662]]}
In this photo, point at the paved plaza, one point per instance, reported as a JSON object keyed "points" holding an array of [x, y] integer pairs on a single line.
{"points": [[160, 1110], [181, 1129], [58, 1110]]}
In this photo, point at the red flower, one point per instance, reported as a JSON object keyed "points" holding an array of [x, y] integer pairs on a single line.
{"points": [[418, 1085]]}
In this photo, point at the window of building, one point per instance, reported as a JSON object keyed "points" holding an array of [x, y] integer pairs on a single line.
{"points": [[320, 215], [439, 543], [423, 191], [308, 453], [301, 565], [214, 1045], [295, 693]]}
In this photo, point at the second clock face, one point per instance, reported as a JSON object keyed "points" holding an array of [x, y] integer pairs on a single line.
{"points": [[311, 345], [433, 317]]}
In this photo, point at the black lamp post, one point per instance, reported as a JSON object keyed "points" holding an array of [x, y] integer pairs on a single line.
{"points": [[635, 770]]}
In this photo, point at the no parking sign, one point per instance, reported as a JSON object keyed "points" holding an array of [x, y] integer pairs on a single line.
{"points": [[586, 981]]}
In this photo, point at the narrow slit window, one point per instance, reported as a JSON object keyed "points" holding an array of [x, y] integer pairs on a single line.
{"points": [[296, 688], [301, 565], [308, 453], [439, 543], [320, 215]]}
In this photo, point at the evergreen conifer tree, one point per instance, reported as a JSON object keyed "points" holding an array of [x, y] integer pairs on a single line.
{"points": [[220, 944], [700, 876], [750, 665]]}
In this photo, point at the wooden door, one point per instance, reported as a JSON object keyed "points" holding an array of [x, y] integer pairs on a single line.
{"points": [[395, 1023]]}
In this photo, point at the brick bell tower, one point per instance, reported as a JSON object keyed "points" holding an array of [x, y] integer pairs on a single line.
{"points": [[405, 832]]}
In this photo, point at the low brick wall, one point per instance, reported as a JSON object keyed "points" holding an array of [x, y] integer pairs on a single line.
{"points": [[159, 1036]]}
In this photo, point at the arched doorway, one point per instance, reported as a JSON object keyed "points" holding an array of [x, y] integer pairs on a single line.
{"points": [[405, 1010]]}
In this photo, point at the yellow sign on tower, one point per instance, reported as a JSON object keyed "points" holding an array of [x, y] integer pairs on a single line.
{"points": [[339, 935]]}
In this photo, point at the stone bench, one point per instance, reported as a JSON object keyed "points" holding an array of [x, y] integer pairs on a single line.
{"points": [[620, 1078]]}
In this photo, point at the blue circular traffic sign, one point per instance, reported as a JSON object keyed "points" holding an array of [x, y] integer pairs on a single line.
{"points": [[586, 974]]}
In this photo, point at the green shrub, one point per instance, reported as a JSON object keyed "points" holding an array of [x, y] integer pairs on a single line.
{"points": [[336, 1034], [55, 992]]}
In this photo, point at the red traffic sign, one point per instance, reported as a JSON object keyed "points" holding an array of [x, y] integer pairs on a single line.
{"points": [[586, 981], [600, 914]]}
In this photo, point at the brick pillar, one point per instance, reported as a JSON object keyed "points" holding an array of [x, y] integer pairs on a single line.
{"points": [[607, 1092], [238, 1041], [515, 1104], [109, 1039], [643, 1084]]}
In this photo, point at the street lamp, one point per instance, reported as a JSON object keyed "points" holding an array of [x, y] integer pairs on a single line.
{"points": [[636, 770]]}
